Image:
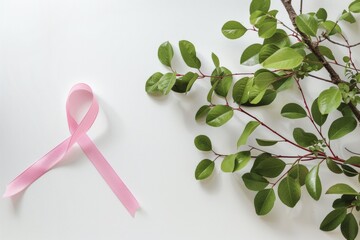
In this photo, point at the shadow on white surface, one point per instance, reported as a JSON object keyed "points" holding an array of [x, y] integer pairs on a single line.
{"points": [[16, 202], [211, 184]]}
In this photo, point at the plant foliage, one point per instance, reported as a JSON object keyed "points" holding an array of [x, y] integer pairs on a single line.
{"points": [[288, 54]]}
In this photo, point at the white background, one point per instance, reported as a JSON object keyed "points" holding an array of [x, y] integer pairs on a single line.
{"points": [[46, 46]]}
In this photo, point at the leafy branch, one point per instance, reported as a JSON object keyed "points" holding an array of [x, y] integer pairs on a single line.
{"points": [[314, 48], [287, 55]]}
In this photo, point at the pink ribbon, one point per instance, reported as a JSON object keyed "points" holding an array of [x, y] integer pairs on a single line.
{"points": [[78, 135]]}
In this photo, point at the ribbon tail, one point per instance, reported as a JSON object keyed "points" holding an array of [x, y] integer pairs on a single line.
{"points": [[36, 170], [109, 175]]}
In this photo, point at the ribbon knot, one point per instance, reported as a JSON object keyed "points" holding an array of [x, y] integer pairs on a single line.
{"points": [[78, 135]]}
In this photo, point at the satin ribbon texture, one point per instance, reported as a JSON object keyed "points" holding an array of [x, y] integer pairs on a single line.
{"points": [[78, 135]]}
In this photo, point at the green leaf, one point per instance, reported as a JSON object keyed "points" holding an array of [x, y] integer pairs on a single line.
{"points": [[312, 62], [260, 158], [355, 202], [341, 127], [349, 198], [235, 162], [204, 169], [184, 83], [349, 171], [219, 115], [349, 227], [166, 82], [327, 52], [191, 82], [269, 167], [202, 112], [285, 58], [241, 90], [318, 117], [333, 219], [262, 20], [259, 5], [329, 100], [279, 39], [241, 160], [249, 128], [355, 7], [293, 111], [261, 70], [342, 188], [152, 83], [255, 182], [304, 139], [268, 29], [203, 143], [353, 160], [333, 166], [265, 79], [250, 56], [298, 45], [307, 24], [331, 27], [345, 110], [321, 14], [283, 84], [289, 191], [224, 81], [273, 13], [165, 53], [188, 53], [341, 203], [215, 59], [233, 30], [259, 95], [211, 91], [228, 164], [266, 99], [256, 94], [299, 173], [266, 51], [347, 16], [313, 183], [256, 17], [264, 201], [265, 143]]}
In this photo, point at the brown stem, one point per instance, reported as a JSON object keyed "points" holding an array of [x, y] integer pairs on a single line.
{"points": [[292, 165], [341, 44], [320, 78], [344, 66], [335, 78], [321, 154], [312, 119], [313, 47], [352, 152], [271, 130], [350, 52]]}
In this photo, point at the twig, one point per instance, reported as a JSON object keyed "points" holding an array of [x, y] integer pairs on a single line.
{"points": [[340, 44], [350, 52], [352, 151], [335, 78], [312, 119], [320, 78]]}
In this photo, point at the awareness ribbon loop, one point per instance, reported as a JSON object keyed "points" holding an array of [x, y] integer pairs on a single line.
{"points": [[78, 135]]}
